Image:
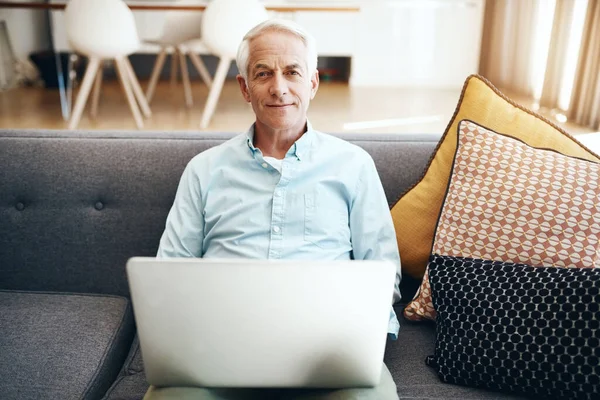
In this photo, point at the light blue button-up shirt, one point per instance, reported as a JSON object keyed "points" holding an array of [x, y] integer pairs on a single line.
{"points": [[327, 203]]}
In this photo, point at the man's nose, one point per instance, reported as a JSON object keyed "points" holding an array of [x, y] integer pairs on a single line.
{"points": [[279, 86]]}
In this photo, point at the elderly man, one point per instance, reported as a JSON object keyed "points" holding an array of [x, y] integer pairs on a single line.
{"points": [[281, 190]]}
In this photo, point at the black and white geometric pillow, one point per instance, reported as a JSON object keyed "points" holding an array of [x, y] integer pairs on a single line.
{"points": [[517, 328]]}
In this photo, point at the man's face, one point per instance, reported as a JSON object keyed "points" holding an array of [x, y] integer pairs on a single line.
{"points": [[279, 85]]}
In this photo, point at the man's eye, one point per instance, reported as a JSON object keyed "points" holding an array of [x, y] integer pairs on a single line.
{"points": [[262, 74], [293, 73]]}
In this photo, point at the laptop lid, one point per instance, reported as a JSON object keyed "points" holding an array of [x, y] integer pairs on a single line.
{"points": [[249, 323]]}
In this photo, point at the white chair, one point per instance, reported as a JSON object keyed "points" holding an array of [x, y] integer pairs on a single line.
{"points": [[180, 28], [224, 24], [104, 30]]}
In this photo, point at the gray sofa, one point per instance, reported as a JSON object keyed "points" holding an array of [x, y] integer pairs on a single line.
{"points": [[75, 206]]}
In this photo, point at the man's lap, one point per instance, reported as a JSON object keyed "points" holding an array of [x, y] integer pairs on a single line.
{"points": [[386, 389]]}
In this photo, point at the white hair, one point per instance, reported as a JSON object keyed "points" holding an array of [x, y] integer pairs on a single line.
{"points": [[278, 25]]}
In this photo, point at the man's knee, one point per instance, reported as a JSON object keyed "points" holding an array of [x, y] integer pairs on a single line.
{"points": [[184, 393], [385, 390]]}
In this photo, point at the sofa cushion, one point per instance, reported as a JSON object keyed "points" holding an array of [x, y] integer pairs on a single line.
{"points": [[128, 387], [416, 213], [131, 383], [60, 345]]}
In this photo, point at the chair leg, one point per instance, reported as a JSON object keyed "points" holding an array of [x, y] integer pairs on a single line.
{"points": [[174, 60], [124, 76], [137, 90], [201, 68], [96, 92], [158, 65], [185, 77], [84, 91], [215, 91], [71, 79]]}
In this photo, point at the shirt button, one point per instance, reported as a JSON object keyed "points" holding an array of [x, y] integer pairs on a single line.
{"points": [[276, 229], [277, 193], [265, 165]]}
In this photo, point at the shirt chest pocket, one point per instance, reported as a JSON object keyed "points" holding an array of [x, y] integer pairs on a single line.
{"points": [[325, 220]]}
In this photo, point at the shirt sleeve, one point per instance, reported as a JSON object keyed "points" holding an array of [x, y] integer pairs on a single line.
{"points": [[372, 229], [184, 229]]}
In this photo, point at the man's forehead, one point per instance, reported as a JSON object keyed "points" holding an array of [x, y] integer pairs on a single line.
{"points": [[276, 62]]}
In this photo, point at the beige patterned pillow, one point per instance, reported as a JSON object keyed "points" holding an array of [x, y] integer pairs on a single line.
{"points": [[510, 202]]}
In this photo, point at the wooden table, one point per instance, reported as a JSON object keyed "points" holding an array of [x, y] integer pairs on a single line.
{"points": [[169, 7], [65, 100]]}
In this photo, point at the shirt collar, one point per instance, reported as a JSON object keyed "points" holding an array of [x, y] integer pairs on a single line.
{"points": [[300, 148]]}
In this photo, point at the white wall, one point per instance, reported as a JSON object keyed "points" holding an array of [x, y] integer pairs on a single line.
{"points": [[28, 30], [433, 43]]}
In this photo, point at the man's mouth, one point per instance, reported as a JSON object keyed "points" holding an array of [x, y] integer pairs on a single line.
{"points": [[279, 105]]}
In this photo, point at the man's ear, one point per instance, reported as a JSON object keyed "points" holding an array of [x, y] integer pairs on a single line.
{"points": [[243, 87], [314, 84]]}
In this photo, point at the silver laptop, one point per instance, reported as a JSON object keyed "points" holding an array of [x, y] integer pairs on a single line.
{"points": [[243, 323]]}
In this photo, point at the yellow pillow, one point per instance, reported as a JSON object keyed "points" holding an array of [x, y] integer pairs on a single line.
{"points": [[416, 212]]}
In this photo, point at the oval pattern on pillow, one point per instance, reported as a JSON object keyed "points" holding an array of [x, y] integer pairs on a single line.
{"points": [[547, 214]]}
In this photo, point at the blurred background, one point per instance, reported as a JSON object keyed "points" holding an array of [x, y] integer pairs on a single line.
{"points": [[385, 66]]}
